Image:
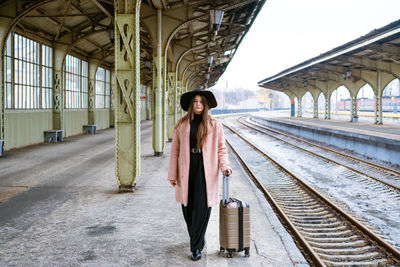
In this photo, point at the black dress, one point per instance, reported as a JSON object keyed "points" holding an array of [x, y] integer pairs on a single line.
{"points": [[196, 213]]}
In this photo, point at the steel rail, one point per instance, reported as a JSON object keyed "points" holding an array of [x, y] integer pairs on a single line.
{"points": [[305, 245], [375, 166], [384, 244]]}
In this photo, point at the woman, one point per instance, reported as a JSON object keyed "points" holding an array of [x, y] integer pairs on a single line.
{"points": [[198, 151]]}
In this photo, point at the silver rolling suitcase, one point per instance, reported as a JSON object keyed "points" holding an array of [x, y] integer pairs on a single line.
{"points": [[234, 223]]}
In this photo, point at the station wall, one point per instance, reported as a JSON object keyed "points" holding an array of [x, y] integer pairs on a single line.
{"points": [[102, 118], [25, 127], [74, 119]]}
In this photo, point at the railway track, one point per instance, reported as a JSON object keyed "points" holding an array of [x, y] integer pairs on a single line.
{"points": [[381, 174], [328, 235]]}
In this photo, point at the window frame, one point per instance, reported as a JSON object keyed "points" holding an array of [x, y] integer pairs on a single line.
{"points": [[103, 95], [24, 90], [81, 78]]}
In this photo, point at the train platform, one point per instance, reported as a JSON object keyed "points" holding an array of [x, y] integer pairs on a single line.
{"points": [[60, 206], [377, 142]]}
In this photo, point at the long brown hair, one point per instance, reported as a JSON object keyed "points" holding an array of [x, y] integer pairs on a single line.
{"points": [[202, 131]]}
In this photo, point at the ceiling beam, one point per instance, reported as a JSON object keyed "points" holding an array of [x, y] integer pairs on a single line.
{"points": [[103, 9]]}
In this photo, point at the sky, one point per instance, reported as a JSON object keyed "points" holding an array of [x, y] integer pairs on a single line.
{"points": [[288, 32]]}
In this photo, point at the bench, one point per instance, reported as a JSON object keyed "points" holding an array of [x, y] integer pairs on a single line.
{"points": [[53, 136], [1, 147], [89, 129]]}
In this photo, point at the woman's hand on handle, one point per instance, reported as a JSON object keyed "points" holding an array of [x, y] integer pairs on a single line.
{"points": [[229, 171]]}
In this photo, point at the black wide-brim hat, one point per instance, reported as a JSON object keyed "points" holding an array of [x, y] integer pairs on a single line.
{"points": [[186, 97]]}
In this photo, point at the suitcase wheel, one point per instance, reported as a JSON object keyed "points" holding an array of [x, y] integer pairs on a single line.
{"points": [[247, 252]]}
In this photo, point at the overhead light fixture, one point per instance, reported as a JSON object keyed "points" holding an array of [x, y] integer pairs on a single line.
{"points": [[305, 84], [216, 16], [210, 60]]}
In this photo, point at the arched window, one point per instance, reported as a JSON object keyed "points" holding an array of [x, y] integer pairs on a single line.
{"points": [[76, 83], [103, 85], [28, 74]]}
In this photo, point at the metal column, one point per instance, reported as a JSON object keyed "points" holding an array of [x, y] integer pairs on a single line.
{"points": [[299, 112], [4, 24], [158, 123], [127, 72], [315, 108], [148, 102], [379, 119], [112, 101], [179, 110], [91, 89], [171, 104], [59, 52], [354, 117], [327, 106]]}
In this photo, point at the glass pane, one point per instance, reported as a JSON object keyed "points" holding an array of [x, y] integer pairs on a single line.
{"points": [[29, 50], [24, 48], [22, 96], [48, 78], [50, 56], [23, 73], [107, 76], [29, 75], [8, 46], [16, 96], [44, 54], [84, 68], [20, 48], [84, 85], [8, 96], [15, 46], [8, 69]]}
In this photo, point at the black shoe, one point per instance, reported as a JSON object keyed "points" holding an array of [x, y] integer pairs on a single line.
{"points": [[196, 255]]}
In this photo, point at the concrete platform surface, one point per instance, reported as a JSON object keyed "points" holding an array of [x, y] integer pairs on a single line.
{"points": [[389, 131], [65, 211]]}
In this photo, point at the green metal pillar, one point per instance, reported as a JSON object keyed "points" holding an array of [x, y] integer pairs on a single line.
{"points": [[179, 110], [158, 117], [183, 90], [315, 108], [353, 109], [171, 104], [4, 24], [59, 53], [112, 100], [127, 72], [93, 64], [148, 102], [327, 106], [379, 119], [299, 111]]}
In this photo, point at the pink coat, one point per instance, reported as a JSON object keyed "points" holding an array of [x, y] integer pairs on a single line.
{"points": [[215, 157]]}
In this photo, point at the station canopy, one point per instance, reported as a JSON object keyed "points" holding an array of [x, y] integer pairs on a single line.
{"points": [[377, 51], [87, 27]]}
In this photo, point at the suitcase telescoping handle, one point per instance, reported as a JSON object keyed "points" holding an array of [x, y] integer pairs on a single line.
{"points": [[225, 191]]}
